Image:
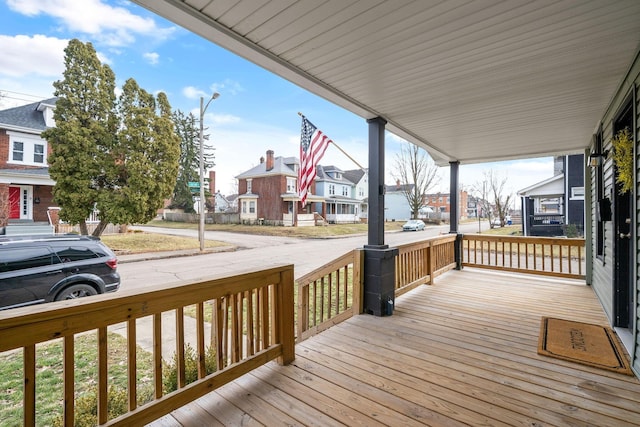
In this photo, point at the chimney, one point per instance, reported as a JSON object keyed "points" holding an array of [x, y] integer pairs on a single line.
{"points": [[261, 159], [269, 160], [212, 182]]}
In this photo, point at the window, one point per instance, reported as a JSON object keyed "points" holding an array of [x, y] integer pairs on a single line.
{"points": [[69, 254], [448, 200], [19, 259], [38, 153], [252, 207], [345, 191], [433, 199], [249, 185], [291, 185], [244, 207], [27, 149], [332, 189], [577, 193], [18, 151], [440, 199]]}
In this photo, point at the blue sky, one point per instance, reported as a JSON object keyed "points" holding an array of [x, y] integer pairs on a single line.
{"points": [[256, 110]]}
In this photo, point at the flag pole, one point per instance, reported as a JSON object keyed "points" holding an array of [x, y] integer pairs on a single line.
{"points": [[340, 148]]}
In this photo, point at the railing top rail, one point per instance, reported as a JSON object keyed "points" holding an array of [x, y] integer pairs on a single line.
{"points": [[326, 268], [429, 241], [31, 325], [526, 239]]}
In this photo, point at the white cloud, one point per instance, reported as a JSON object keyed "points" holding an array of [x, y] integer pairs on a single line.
{"points": [[222, 119], [151, 57], [113, 26], [228, 86], [191, 92], [32, 55]]}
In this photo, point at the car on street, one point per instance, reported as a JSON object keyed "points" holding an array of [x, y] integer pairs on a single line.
{"points": [[413, 225], [45, 268]]}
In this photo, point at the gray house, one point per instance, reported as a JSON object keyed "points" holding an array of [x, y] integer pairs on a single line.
{"points": [[555, 206]]}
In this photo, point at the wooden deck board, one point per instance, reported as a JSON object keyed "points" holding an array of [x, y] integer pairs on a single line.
{"points": [[461, 352]]}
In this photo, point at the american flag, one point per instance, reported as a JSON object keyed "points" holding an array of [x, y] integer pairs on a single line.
{"points": [[313, 144]]}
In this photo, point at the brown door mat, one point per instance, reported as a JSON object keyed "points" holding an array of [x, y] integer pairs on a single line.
{"points": [[592, 345]]}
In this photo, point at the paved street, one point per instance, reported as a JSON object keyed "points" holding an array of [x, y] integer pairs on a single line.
{"points": [[256, 252]]}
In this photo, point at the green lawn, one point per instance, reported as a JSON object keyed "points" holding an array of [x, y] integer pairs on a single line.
{"points": [[49, 384]]}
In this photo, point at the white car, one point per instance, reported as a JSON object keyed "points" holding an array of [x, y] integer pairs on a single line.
{"points": [[413, 225]]}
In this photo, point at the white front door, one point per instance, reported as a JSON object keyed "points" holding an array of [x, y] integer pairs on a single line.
{"points": [[26, 202]]}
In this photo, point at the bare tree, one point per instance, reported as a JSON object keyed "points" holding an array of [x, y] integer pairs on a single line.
{"points": [[5, 206], [414, 166], [494, 200]]}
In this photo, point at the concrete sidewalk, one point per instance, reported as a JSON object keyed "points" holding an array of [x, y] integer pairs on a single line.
{"points": [[146, 256]]}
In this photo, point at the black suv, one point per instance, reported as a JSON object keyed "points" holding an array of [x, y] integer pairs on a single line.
{"points": [[36, 269]]}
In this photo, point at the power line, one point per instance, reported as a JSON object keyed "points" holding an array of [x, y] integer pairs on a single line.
{"points": [[20, 96]]}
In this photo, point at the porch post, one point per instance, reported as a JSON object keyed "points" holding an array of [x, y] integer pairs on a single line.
{"points": [[454, 210], [379, 259], [376, 182]]}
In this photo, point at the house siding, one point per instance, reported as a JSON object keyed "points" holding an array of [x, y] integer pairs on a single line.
{"points": [[636, 353], [603, 267]]}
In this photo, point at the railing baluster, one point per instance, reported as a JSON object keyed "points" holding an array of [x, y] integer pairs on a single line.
{"points": [[68, 357], [102, 376], [180, 347], [132, 380], [29, 366], [250, 323], [157, 355]]}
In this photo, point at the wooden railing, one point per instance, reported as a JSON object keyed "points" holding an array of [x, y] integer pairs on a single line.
{"points": [[329, 294], [332, 293], [420, 263], [537, 255], [253, 323]]}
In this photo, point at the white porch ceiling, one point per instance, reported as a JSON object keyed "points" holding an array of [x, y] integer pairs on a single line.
{"points": [[468, 80]]}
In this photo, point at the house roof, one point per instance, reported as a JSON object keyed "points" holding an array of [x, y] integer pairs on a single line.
{"points": [[468, 81], [354, 175], [280, 167], [322, 174], [26, 117], [549, 187]]}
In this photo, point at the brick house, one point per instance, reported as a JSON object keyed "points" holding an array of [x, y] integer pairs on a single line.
{"points": [[25, 184], [441, 202], [267, 193]]}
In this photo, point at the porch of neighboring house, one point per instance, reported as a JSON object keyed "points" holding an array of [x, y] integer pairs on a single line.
{"points": [[461, 352], [459, 349]]}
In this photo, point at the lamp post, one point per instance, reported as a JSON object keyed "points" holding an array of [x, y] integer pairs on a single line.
{"points": [[203, 108]]}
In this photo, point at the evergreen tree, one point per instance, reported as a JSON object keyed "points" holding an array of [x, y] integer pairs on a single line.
{"points": [[143, 164], [188, 170], [84, 131], [121, 158]]}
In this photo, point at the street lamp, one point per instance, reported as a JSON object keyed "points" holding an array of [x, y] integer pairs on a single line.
{"points": [[203, 108]]}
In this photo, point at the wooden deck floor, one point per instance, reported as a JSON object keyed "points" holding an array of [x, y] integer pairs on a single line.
{"points": [[462, 352]]}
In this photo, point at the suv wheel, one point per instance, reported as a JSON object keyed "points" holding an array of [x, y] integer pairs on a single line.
{"points": [[76, 291]]}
